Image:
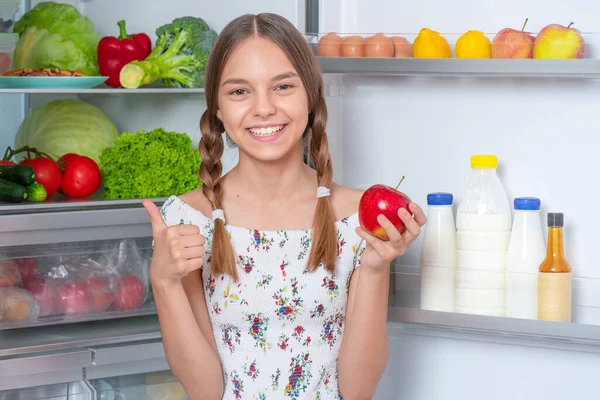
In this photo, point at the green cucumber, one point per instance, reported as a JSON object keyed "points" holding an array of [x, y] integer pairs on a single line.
{"points": [[12, 192], [36, 192], [21, 174]]}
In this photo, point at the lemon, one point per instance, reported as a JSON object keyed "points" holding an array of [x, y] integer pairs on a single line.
{"points": [[473, 44], [430, 44]]}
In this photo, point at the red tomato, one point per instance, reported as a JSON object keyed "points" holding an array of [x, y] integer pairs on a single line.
{"points": [[81, 176], [67, 158], [29, 269], [9, 274], [2, 162], [46, 294], [101, 297], [130, 293], [47, 173], [73, 298]]}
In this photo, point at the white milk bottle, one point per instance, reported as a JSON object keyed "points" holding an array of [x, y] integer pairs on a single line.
{"points": [[526, 252], [438, 254], [483, 224]]}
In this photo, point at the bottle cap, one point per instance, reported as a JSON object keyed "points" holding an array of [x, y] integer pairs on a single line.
{"points": [[527, 203], [555, 219], [484, 161], [439, 199]]}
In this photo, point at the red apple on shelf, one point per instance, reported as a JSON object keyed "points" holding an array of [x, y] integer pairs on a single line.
{"points": [[130, 293], [100, 295], [385, 200], [511, 43], [73, 298]]}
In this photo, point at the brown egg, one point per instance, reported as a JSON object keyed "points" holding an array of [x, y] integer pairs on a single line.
{"points": [[379, 46], [353, 46], [330, 45], [402, 47]]}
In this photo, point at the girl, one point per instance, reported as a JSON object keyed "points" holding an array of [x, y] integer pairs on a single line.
{"points": [[255, 302]]}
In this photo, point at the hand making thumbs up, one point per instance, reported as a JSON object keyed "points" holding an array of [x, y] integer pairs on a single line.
{"points": [[178, 249]]}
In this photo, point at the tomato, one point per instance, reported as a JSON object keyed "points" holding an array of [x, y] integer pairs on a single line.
{"points": [[101, 297], [73, 298], [29, 269], [81, 176], [47, 173], [130, 293], [9, 274], [45, 292]]}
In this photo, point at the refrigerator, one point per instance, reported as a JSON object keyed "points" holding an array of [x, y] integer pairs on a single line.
{"points": [[418, 118]]}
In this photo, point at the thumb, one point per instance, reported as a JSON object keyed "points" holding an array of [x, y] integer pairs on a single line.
{"points": [[158, 223]]}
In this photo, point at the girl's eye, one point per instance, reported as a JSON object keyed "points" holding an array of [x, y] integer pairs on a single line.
{"points": [[238, 92], [284, 86]]}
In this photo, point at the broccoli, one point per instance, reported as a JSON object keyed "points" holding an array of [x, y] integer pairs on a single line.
{"points": [[150, 164], [179, 57]]}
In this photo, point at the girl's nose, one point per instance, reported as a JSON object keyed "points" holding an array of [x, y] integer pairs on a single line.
{"points": [[263, 105]]}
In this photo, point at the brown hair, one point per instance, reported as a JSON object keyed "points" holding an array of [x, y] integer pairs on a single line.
{"points": [[279, 30]]}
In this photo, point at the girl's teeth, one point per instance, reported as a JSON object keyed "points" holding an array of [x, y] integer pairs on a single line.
{"points": [[266, 131]]}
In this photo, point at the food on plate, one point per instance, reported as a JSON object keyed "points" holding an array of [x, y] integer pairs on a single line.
{"points": [[67, 126], [9, 273], [330, 45], [130, 293], [42, 72], [21, 174], [28, 268], [473, 44], [430, 44], [12, 192], [402, 47], [353, 46], [179, 56], [47, 173], [100, 294], [45, 292], [149, 164], [73, 298], [379, 46], [511, 43], [381, 199], [559, 42], [17, 304], [116, 52], [81, 176], [56, 35]]}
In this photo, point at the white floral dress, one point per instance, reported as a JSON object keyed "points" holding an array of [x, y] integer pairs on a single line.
{"points": [[278, 330]]}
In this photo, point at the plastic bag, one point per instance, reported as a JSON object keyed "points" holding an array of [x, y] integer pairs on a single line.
{"points": [[132, 266], [17, 304]]}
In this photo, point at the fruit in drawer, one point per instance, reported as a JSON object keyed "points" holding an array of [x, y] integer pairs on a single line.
{"points": [[559, 42], [381, 199], [28, 268], [130, 293], [17, 304], [9, 273], [330, 45], [353, 46], [100, 294], [46, 294], [379, 46], [430, 44], [402, 47], [511, 43], [473, 44], [73, 298]]}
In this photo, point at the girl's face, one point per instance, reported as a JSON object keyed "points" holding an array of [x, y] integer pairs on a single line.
{"points": [[262, 102]]}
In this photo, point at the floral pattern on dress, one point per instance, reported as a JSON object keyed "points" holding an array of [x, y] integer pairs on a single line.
{"points": [[279, 328]]}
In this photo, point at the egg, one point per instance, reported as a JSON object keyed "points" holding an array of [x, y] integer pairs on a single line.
{"points": [[353, 46], [379, 46], [402, 47], [330, 45]]}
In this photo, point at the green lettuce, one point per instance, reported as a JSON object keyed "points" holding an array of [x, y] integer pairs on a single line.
{"points": [[53, 35]]}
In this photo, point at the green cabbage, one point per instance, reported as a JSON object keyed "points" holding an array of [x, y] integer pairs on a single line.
{"points": [[54, 35], [67, 126]]}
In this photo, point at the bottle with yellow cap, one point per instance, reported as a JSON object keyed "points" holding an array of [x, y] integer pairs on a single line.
{"points": [[483, 223]]}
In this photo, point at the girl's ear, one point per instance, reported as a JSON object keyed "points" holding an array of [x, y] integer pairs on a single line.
{"points": [[220, 116]]}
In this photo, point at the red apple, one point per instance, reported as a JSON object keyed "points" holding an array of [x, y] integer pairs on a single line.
{"points": [[130, 293], [73, 298], [381, 199], [29, 269], [100, 294], [46, 294], [511, 43]]}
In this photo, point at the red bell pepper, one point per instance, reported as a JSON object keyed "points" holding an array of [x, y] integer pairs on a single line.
{"points": [[114, 53]]}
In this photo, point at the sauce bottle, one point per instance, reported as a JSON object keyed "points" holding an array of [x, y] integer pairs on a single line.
{"points": [[554, 278]]}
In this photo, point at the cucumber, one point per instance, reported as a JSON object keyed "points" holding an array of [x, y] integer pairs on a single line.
{"points": [[36, 192], [21, 174], [12, 192]]}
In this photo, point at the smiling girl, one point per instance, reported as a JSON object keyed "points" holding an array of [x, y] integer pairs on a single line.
{"points": [[256, 275]]}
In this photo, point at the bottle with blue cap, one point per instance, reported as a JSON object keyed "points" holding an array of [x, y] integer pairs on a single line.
{"points": [[438, 254], [526, 252]]}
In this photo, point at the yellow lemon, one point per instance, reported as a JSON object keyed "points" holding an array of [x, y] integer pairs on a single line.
{"points": [[473, 44], [430, 44]]}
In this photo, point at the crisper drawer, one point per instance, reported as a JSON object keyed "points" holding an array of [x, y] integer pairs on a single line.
{"points": [[74, 281], [65, 391], [152, 386]]}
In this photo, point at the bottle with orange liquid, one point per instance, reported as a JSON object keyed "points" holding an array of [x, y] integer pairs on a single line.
{"points": [[554, 278]]}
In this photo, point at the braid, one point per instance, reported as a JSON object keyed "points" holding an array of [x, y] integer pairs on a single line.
{"points": [[211, 151]]}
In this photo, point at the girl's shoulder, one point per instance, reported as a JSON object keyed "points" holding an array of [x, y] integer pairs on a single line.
{"points": [[186, 208], [344, 200]]}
